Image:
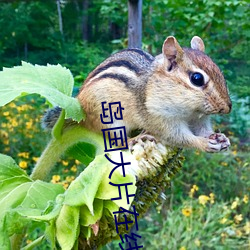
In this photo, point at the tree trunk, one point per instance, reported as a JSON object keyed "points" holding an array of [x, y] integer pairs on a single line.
{"points": [[85, 20], [134, 23], [59, 16]]}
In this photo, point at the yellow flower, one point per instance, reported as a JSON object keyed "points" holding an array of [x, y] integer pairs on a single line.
{"points": [[224, 164], [238, 159], [65, 185], [14, 123], [55, 178], [4, 134], [197, 242], [235, 203], [12, 105], [23, 164], [223, 235], [73, 168], [28, 241], [29, 124], [35, 159], [70, 178], [65, 163], [6, 149], [6, 141], [24, 154], [6, 113], [247, 227], [77, 162], [238, 233], [203, 199], [223, 220], [245, 199], [187, 211], [238, 218], [183, 248], [193, 190], [211, 195], [234, 152]]}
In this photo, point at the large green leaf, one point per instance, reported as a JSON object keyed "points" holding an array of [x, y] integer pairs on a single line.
{"points": [[53, 82]]}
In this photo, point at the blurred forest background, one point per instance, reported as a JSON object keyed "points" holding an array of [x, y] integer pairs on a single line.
{"points": [[208, 204]]}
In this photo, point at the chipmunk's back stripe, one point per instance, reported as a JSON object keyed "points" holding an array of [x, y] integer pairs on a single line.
{"points": [[118, 63], [118, 77], [142, 53]]}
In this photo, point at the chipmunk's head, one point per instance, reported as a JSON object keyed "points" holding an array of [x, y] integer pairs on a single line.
{"points": [[197, 74]]}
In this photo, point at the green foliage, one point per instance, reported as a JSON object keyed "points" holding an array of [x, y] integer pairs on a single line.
{"points": [[201, 223], [19, 198], [223, 25], [52, 82], [24, 200], [30, 32]]}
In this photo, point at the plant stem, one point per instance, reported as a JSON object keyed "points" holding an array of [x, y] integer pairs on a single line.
{"points": [[16, 240], [57, 147]]}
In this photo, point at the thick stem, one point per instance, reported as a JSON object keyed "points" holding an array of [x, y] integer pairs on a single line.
{"points": [[57, 147]]}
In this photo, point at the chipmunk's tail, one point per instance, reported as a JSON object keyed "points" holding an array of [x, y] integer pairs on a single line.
{"points": [[50, 117]]}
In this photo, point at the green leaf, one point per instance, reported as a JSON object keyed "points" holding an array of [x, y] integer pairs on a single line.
{"points": [[67, 226], [6, 186], [83, 189], [14, 223], [86, 218], [53, 82], [86, 231], [20, 198], [110, 206], [14, 198], [39, 194], [83, 152], [46, 216], [50, 234], [4, 240], [93, 183], [9, 168]]}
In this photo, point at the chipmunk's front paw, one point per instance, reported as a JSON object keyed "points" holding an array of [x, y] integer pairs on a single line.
{"points": [[217, 142]]}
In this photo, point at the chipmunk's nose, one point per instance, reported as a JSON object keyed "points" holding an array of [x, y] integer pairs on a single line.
{"points": [[227, 108]]}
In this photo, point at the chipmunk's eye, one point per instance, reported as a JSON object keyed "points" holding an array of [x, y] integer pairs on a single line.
{"points": [[197, 79]]}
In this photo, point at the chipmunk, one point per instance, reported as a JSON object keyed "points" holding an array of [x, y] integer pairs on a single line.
{"points": [[170, 96]]}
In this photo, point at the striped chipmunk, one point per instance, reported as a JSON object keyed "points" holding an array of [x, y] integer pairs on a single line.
{"points": [[169, 97]]}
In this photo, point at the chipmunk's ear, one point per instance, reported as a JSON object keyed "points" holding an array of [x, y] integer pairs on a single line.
{"points": [[197, 43], [171, 49]]}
